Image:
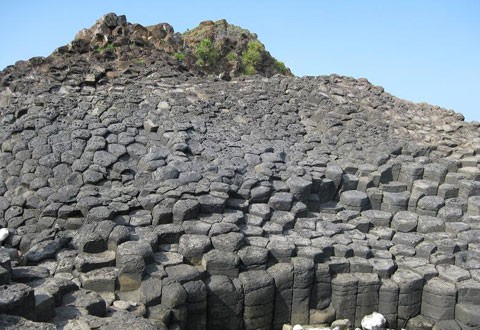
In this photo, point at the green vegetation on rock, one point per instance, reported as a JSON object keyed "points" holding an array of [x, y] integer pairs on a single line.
{"points": [[281, 67], [206, 53], [108, 47], [179, 56], [252, 57], [231, 57], [213, 47], [139, 60]]}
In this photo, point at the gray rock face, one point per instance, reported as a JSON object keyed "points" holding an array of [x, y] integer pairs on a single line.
{"points": [[131, 260], [100, 280], [91, 301], [42, 250], [11, 322], [135, 193], [16, 299], [258, 288], [192, 247]]}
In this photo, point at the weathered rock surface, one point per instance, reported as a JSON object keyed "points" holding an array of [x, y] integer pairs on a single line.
{"points": [[138, 192]]}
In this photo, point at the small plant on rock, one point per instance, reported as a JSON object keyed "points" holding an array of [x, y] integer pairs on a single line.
{"points": [[139, 60], [108, 47], [232, 57], [206, 53], [252, 57], [179, 56], [281, 67]]}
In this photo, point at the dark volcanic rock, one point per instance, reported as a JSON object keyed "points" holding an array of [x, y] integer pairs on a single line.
{"points": [[147, 182], [16, 299], [11, 322]]}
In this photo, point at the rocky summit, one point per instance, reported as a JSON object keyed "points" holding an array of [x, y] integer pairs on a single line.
{"points": [[158, 180]]}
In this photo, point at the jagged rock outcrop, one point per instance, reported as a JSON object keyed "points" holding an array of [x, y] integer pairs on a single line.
{"points": [[212, 47], [148, 195]]}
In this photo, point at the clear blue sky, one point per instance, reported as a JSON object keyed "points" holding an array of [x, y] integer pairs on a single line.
{"points": [[425, 50]]}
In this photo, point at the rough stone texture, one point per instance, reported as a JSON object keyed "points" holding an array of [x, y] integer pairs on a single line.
{"points": [[225, 303], [11, 322], [467, 316], [344, 296], [303, 277], [258, 289], [388, 301], [438, 300], [410, 286], [132, 178], [367, 295], [16, 299]]}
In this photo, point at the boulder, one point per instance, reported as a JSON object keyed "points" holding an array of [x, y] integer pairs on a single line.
{"points": [[374, 321]]}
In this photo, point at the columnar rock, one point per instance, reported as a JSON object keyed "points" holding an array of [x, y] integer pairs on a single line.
{"points": [[438, 300], [283, 276], [344, 296], [410, 172], [468, 188], [467, 316], [320, 295], [355, 200], [420, 189], [435, 172], [388, 301], [378, 218], [259, 292], [468, 292], [11, 322], [299, 187], [192, 247], [280, 249], [430, 205], [196, 305], [405, 221], [100, 280], [224, 303], [334, 173], [303, 277], [473, 205], [367, 295], [138, 173], [327, 191], [410, 285], [395, 202], [91, 301], [253, 258], [217, 262], [376, 196], [174, 297], [132, 258]]}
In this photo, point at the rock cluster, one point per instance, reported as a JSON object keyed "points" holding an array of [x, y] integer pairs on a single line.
{"points": [[113, 38], [149, 197]]}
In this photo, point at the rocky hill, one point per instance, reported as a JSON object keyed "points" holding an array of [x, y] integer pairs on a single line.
{"points": [[154, 180], [212, 47]]}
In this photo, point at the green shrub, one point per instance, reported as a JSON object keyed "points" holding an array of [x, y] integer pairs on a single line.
{"points": [[231, 57], [179, 56], [108, 47], [252, 56], [139, 60], [206, 53], [249, 70], [281, 67]]}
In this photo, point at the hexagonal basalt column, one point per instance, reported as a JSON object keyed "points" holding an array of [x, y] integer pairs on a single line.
{"points": [[355, 200]]}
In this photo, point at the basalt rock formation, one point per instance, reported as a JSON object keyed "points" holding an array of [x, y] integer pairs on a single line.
{"points": [[139, 190], [212, 47]]}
